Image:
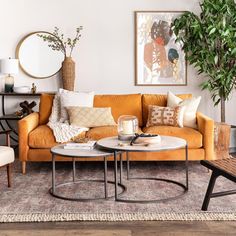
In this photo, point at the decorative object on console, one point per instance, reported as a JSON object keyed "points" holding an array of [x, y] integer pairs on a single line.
{"points": [[127, 127], [90, 116], [191, 106], [165, 116], [210, 45], [9, 66], [33, 88], [27, 108], [22, 89], [159, 58], [36, 59], [66, 47]]}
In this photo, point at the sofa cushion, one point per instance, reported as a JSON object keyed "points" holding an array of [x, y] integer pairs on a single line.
{"points": [[128, 104], [192, 136], [158, 100], [42, 137], [90, 116], [103, 132], [45, 108]]}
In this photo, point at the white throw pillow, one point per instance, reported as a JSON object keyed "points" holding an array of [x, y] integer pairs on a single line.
{"points": [[56, 109], [191, 106], [78, 99]]}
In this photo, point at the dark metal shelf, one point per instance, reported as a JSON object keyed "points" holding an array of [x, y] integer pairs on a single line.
{"points": [[25, 94], [6, 118], [10, 117]]}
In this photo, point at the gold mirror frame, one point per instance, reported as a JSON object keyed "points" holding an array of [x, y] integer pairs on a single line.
{"points": [[18, 49]]}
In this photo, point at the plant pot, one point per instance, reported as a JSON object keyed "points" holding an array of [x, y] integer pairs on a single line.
{"points": [[232, 146], [221, 140], [68, 74]]}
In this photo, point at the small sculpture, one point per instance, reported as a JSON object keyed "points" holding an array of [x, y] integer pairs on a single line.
{"points": [[27, 107], [34, 88]]}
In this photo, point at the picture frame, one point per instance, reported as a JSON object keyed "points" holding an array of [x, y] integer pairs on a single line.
{"points": [[159, 60]]}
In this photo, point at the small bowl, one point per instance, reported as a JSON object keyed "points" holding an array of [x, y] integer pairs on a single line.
{"points": [[21, 89]]}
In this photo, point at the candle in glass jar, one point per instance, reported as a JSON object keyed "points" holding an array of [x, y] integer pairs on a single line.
{"points": [[127, 126]]}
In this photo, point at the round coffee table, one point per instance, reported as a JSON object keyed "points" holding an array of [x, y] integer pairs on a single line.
{"points": [[167, 143], [76, 154]]}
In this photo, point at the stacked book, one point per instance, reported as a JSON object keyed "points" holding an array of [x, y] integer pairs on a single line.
{"points": [[84, 146]]}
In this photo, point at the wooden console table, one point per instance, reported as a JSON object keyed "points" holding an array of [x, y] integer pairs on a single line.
{"points": [[5, 118]]}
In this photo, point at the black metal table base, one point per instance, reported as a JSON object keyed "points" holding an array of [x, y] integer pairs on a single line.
{"points": [[181, 185], [123, 189], [105, 181], [155, 200]]}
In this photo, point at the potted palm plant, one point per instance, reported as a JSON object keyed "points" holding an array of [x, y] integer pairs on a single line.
{"points": [[209, 41]]}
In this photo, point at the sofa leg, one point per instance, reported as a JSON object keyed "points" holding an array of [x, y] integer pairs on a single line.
{"points": [[23, 167], [9, 175]]}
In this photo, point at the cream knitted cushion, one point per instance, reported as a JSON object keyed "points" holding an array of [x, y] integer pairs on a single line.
{"points": [[90, 116]]}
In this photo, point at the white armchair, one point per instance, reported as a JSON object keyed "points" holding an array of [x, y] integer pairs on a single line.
{"points": [[7, 156]]}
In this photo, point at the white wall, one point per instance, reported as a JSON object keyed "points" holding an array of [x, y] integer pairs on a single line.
{"points": [[105, 56]]}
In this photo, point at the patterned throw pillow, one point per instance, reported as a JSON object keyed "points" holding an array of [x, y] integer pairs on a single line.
{"points": [[90, 116], [165, 116]]}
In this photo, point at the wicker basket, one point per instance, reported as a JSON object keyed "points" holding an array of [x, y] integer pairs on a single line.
{"points": [[68, 74]]}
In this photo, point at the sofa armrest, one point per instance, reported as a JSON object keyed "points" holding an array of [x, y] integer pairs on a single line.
{"points": [[25, 126], [206, 128]]}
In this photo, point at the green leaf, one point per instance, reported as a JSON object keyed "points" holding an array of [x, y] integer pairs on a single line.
{"points": [[233, 52], [213, 30], [216, 59]]}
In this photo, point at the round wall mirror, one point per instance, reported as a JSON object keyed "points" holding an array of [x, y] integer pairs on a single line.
{"points": [[36, 58]]}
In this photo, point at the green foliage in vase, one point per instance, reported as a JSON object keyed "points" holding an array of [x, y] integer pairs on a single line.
{"points": [[209, 41], [57, 42]]}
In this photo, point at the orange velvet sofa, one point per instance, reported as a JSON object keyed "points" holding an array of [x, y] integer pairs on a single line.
{"points": [[36, 138]]}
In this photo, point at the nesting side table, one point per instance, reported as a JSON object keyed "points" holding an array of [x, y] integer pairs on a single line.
{"points": [[76, 154]]}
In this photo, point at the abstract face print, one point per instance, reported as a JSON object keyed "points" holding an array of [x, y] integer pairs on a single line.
{"points": [[159, 59]]}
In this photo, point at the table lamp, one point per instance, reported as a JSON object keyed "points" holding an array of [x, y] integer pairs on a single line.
{"points": [[9, 66]]}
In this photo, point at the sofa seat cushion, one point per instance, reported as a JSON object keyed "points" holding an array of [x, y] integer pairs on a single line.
{"points": [[97, 133], [42, 137], [103, 132], [192, 136]]}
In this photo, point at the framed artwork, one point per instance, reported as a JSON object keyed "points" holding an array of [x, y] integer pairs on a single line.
{"points": [[159, 60]]}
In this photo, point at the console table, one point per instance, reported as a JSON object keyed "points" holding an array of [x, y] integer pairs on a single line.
{"points": [[5, 118]]}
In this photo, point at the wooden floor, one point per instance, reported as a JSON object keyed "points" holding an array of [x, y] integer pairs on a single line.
{"points": [[120, 229]]}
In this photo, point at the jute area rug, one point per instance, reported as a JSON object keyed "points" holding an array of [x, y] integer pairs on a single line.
{"points": [[29, 200]]}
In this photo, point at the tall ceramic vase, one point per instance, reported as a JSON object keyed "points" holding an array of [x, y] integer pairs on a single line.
{"points": [[68, 74]]}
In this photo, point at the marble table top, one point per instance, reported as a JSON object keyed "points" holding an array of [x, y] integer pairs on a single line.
{"points": [[166, 143], [95, 152]]}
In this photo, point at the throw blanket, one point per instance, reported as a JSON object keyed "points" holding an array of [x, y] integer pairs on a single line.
{"points": [[62, 130]]}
